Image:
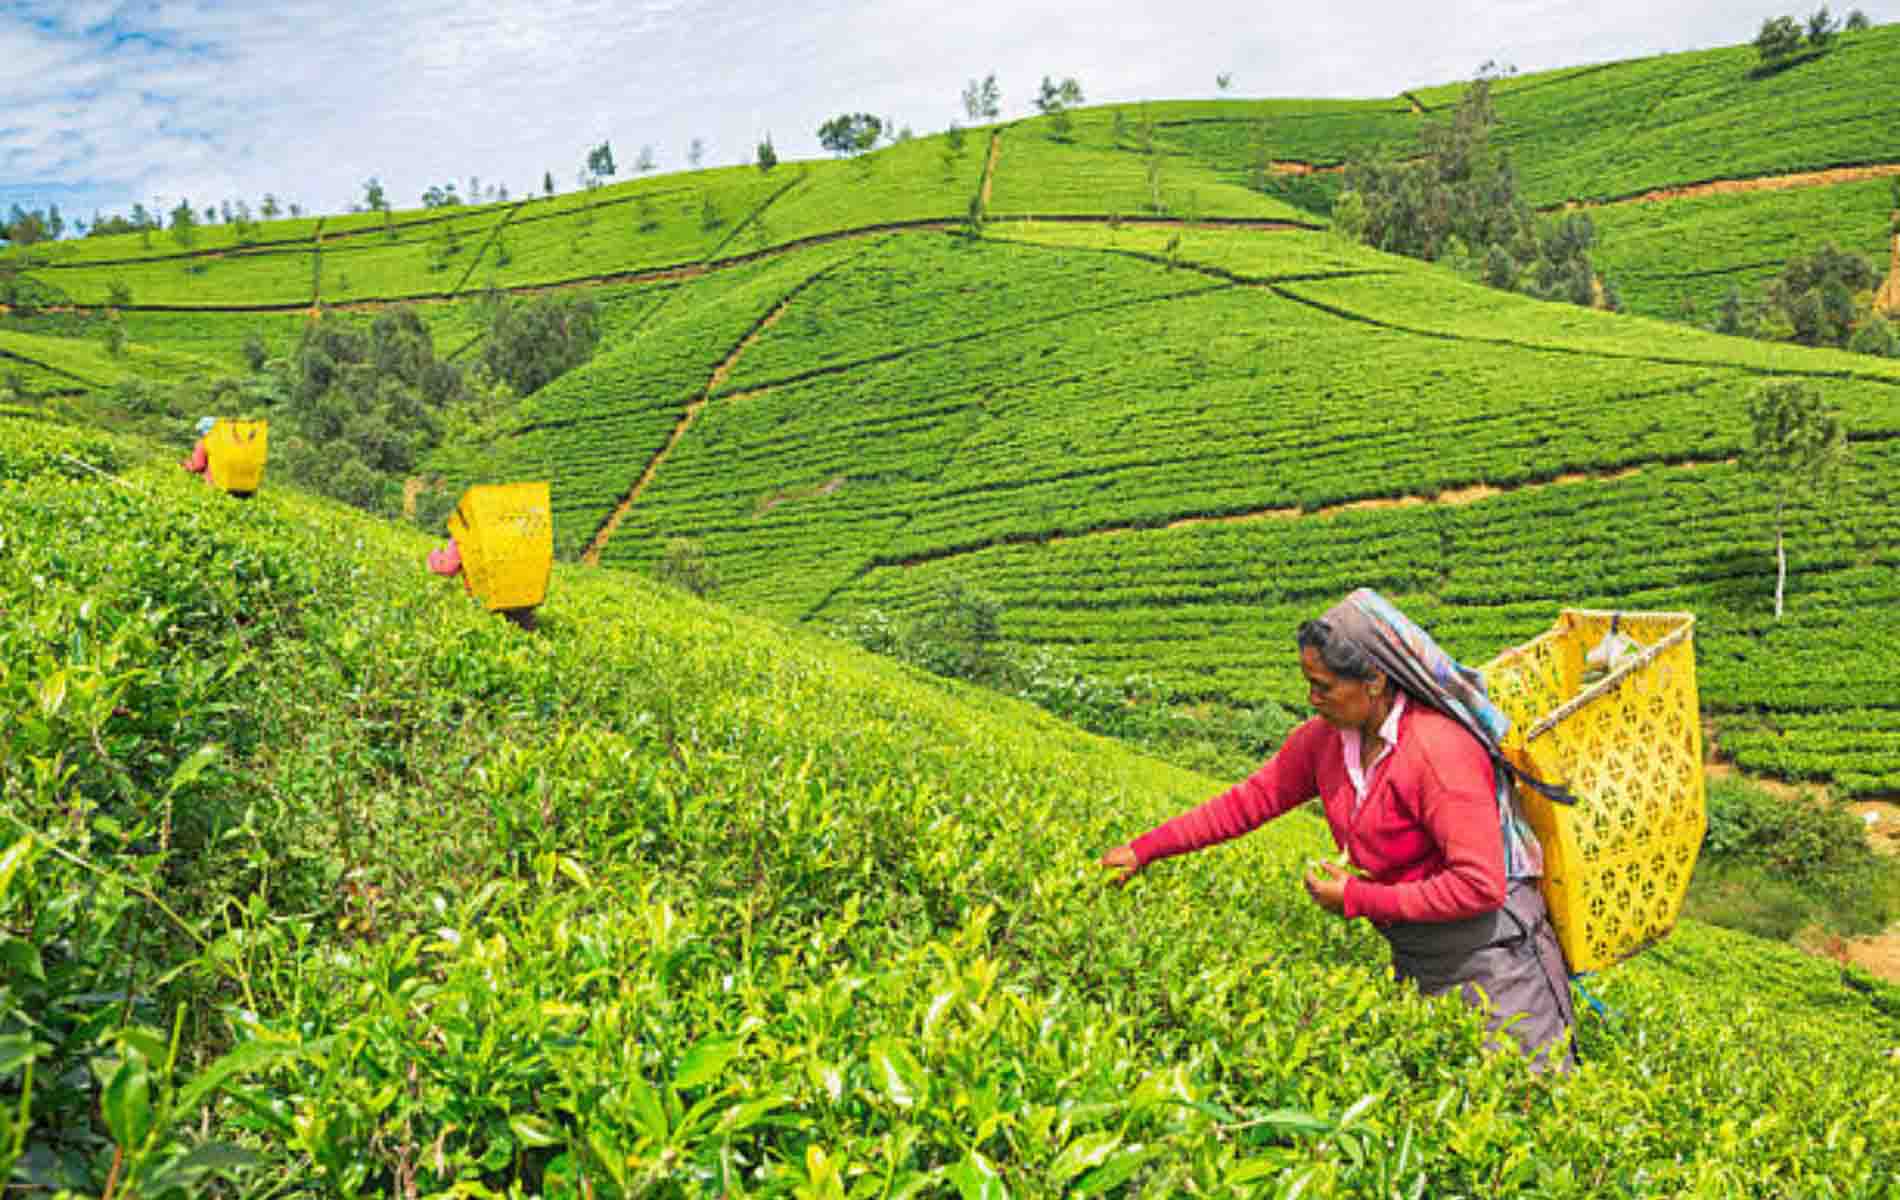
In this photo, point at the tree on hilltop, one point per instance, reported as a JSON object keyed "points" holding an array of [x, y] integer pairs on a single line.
{"points": [[646, 162], [850, 133], [547, 183], [1053, 97], [1054, 100], [600, 164], [184, 224], [1821, 27], [1779, 38], [766, 157], [983, 101], [695, 152], [1857, 21], [1798, 450]]}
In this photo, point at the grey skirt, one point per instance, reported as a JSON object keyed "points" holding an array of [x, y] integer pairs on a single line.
{"points": [[1506, 963]]}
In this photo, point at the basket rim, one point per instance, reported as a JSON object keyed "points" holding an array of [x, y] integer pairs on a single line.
{"points": [[1614, 679]]}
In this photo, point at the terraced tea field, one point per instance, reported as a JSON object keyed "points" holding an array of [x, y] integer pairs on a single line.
{"points": [[818, 375]]}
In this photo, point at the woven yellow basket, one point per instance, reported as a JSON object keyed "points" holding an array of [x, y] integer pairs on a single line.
{"points": [[507, 540], [236, 451], [1629, 748]]}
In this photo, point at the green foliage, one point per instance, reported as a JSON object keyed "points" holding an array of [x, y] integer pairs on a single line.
{"points": [[983, 101], [766, 157], [668, 900], [532, 343], [1798, 443], [600, 162], [1815, 295], [850, 133], [184, 225], [1774, 866], [1779, 39], [685, 566], [363, 405], [1457, 191]]}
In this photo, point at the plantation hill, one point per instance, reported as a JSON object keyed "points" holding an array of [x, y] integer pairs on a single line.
{"points": [[378, 894], [1126, 384]]}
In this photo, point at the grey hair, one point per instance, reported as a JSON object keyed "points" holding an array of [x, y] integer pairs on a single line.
{"points": [[1342, 656]]}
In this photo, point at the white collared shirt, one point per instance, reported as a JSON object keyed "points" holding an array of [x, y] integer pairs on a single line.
{"points": [[1350, 744]]}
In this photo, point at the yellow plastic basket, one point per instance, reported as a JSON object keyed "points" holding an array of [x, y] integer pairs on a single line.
{"points": [[506, 536], [236, 451], [1629, 748]]}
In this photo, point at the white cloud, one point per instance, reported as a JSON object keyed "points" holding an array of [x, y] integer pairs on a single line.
{"points": [[307, 98]]}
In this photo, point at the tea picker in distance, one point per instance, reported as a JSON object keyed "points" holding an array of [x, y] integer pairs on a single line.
{"points": [[1405, 758], [229, 454], [501, 542], [198, 462]]}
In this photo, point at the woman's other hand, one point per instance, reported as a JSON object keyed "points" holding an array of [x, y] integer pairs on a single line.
{"points": [[1326, 884], [1122, 860]]}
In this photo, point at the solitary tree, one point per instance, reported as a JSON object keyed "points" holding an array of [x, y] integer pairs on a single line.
{"points": [[374, 198], [114, 334], [1857, 21], [695, 151], [184, 224], [1055, 100], [646, 162], [268, 209], [600, 163], [547, 182], [850, 133], [767, 157], [1053, 97], [1779, 38], [1821, 27], [983, 101], [1798, 449], [1224, 80]]}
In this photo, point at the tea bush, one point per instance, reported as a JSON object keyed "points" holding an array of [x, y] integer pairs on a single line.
{"points": [[666, 900]]}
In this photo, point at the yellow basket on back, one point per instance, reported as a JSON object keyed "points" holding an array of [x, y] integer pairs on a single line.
{"points": [[236, 451], [506, 535], [1629, 748]]}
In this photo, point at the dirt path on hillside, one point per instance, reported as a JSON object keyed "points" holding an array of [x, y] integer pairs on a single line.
{"points": [[591, 556], [1451, 496], [1762, 183]]}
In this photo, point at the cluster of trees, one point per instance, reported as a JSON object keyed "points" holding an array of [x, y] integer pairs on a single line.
{"points": [[1824, 298], [359, 406], [1782, 39], [1457, 201], [25, 227]]}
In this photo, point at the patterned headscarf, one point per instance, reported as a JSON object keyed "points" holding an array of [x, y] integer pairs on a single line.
{"points": [[1415, 662]]}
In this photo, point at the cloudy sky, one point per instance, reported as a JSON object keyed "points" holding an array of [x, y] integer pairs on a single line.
{"points": [[104, 103]]}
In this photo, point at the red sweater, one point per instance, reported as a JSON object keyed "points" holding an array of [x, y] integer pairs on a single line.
{"points": [[1426, 837]]}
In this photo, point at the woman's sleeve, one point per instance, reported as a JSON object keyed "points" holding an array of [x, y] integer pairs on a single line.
{"points": [[199, 459], [447, 560], [1458, 806], [1283, 782]]}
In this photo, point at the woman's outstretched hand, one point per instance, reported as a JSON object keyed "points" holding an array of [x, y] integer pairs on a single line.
{"points": [[1326, 884], [1122, 860]]}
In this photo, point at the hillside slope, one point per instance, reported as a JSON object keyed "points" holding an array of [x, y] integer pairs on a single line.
{"points": [[685, 901], [849, 402]]}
